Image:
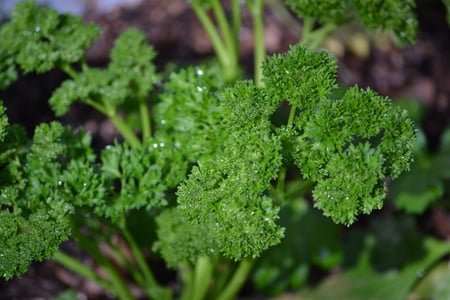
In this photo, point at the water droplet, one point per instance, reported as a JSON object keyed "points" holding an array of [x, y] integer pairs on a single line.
{"points": [[199, 72], [60, 183], [162, 145]]}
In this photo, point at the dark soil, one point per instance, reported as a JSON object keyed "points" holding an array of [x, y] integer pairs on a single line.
{"points": [[420, 72]]}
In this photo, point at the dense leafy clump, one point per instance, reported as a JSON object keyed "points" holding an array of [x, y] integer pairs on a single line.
{"points": [[129, 78], [391, 15], [220, 150], [347, 146], [39, 39], [189, 111], [34, 208]]}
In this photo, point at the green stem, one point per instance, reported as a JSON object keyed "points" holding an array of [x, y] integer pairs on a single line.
{"points": [[284, 16], [319, 36], [237, 281], [219, 47], [281, 181], [224, 28], [145, 120], [140, 260], [124, 262], [291, 116], [69, 70], [256, 10], [236, 21], [125, 131], [117, 283], [202, 277], [308, 24], [76, 266], [187, 278]]}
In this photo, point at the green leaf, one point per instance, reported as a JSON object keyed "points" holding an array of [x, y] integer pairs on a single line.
{"points": [[189, 112], [39, 39], [353, 144], [132, 57], [128, 79], [322, 11], [287, 265], [8, 72], [364, 281], [137, 174], [34, 217], [102, 88], [180, 242], [396, 16], [228, 193], [424, 184], [434, 284], [303, 77], [390, 15]]}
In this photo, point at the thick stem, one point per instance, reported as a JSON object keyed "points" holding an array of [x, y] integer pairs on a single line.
{"points": [[187, 278], [236, 23], [126, 131], [117, 283], [76, 266], [223, 54], [240, 276], [69, 70], [140, 260], [224, 28], [256, 9], [145, 120], [202, 277], [308, 24], [319, 36]]}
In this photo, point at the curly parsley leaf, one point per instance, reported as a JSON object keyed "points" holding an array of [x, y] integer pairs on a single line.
{"points": [[391, 15], [40, 39], [128, 79], [179, 241], [189, 112], [347, 146], [229, 190]]}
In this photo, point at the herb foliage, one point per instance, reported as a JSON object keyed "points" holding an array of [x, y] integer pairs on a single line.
{"points": [[202, 156]]}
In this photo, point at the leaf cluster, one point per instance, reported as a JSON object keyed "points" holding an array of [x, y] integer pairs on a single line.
{"points": [[391, 15], [56, 177], [129, 78], [38, 39], [348, 146]]}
